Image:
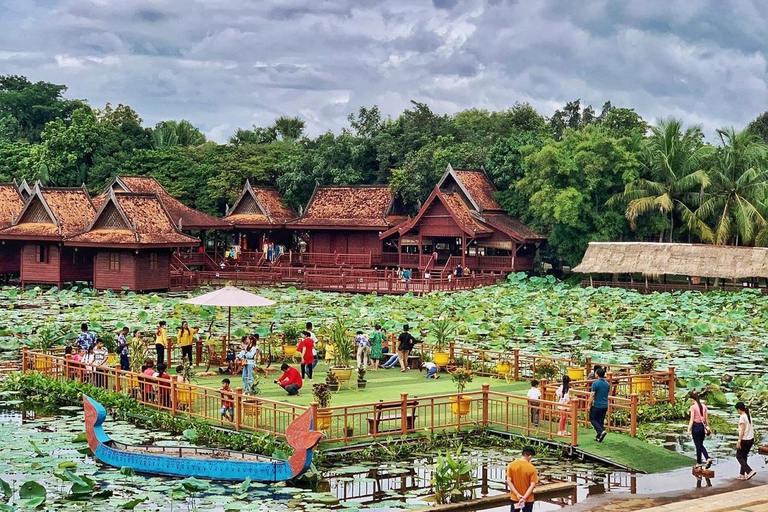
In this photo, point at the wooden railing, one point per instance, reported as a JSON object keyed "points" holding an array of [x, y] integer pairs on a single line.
{"points": [[411, 414], [389, 284], [643, 287], [409, 260]]}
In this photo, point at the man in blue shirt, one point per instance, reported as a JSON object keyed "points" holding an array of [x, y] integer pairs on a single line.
{"points": [[85, 339], [598, 401]]}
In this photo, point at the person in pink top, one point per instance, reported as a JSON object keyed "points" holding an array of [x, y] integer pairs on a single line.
{"points": [[698, 427]]}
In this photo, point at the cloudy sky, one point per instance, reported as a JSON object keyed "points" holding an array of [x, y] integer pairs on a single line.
{"points": [[225, 64]]}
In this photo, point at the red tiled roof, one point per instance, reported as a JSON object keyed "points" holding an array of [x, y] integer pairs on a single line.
{"points": [[362, 206], [273, 202], [190, 218], [460, 210], [135, 220], [512, 227], [259, 207], [479, 187], [11, 204], [71, 208]]}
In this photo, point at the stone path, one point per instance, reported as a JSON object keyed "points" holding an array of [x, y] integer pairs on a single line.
{"points": [[754, 499]]}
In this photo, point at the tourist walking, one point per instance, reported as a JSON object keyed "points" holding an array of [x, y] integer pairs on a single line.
{"points": [[185, 337], [534, 395], [314, 344], [598, 404], [290, 380], [247, 356], [563, 396], [161, 341], [306, 348], [122, 349], [405, 343], [698, 428], [86, 339], [377, 341], [407, 278], [521, 480], [363, 345], [746, 440]]}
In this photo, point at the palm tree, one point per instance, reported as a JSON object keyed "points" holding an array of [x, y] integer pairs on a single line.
{"points": [[733, 206], [672, 157]]}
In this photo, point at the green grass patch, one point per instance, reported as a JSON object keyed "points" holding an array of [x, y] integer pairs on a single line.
{"points": [[632, 452]]}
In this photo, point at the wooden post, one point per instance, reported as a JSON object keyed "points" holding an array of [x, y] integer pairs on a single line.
{"points": [[588, 366], [174, 397], [238, 408], [671, 385], [313, 406], [404, 413], [485, 387], [199, 352], [67, 361], [516, 362], [451, 347], [117, 372], [24, 359], [633, 415], [574, 422]]}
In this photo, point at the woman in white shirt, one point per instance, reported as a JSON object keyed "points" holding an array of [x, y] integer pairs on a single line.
{"points": [[746, 440]]}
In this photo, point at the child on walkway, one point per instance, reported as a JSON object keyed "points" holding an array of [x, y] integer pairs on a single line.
{"points": [[227, 404], [563, 397], [534, 395]]}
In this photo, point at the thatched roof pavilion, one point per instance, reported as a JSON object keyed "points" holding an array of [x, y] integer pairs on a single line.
{"points": [[674, 259]]}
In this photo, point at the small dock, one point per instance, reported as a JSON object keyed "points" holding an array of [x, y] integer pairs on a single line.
{"points": [[546, 491]]}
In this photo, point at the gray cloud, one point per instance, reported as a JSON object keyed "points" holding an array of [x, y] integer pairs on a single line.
{"points": [[225, 64]]}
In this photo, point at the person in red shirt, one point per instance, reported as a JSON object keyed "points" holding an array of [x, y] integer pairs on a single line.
{"points": [[149, 387], [306, 349], [164, 389], [290, 380]]}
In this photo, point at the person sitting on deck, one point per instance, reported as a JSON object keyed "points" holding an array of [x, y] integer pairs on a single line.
{"points": [[230, 361], [290, 380]]}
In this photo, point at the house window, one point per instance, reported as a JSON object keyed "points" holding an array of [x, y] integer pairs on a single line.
{"points": [[153, 261], [114, 262], [41, 253]]}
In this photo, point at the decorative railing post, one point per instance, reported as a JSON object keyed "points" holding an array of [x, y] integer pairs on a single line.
{"points": [[485, 404], [671, 385], [574, 422], [24, 359], [451, 347], [588, 365], [118, 374], [238, 408], [67, 371], [404, 413], [633, 415], [516, 353], [174, 397]]}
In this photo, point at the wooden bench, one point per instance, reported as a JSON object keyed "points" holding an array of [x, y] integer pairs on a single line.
{"points": [[392, 413], [414, 362]]}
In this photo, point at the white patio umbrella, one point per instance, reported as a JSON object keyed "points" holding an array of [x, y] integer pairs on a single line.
{"points": [[230, 297]]}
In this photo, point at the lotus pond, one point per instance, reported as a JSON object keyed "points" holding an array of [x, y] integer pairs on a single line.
{"points": [[715, 340], [44, 460]]}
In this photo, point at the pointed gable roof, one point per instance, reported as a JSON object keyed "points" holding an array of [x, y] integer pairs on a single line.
{"points": [[350, 207], [132, 220], [52, 214], [11, 204], [474, 184], [179, 212], [259, 207]]}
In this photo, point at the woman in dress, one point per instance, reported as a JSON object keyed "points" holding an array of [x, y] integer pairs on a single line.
{"points": [[247, 355], [697, 429], [377, 339]]}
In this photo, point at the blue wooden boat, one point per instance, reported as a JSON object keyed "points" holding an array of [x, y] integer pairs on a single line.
{"points": [[211, 463]]}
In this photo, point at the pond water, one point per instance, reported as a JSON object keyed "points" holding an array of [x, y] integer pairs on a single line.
{"points": [[383, 487]]}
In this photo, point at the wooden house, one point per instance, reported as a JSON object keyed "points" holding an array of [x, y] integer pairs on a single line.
{"points": [[341, 225], [49, 216], [461, 223], [259, 217], [11, 204], [132, 237]]}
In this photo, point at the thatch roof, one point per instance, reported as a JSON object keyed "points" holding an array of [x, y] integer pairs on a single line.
{"points": [[674, 259]]}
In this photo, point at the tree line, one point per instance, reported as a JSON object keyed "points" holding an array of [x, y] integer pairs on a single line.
{"points": [[577, 175]]}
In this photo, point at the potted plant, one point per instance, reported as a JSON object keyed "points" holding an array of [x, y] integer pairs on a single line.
{"points": [[361, 378], [644, 366], [185, 397], [291, 335], [322, 395], [252, 405], [546, 369], [504, 364], [350, 430], [47, 336], [460, 404], [343, 349], [442, 329], [577, 370], [332, 380]]}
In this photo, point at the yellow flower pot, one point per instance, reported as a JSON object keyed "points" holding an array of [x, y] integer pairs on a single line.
{"points": [[576, 372], [289, 350], [323, 420], [642, 385], [344, 374], [460, 405], [503, 368], [440, 358], [184, 396], [42, 363]]}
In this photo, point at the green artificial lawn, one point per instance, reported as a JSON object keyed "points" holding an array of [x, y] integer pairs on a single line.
{"points": [[632, 452], [382, 385]]}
